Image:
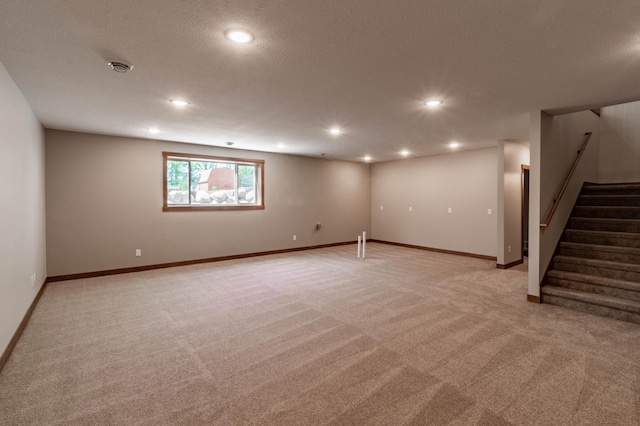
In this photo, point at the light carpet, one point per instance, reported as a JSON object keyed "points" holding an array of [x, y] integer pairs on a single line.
{"points": [[319, 337]]}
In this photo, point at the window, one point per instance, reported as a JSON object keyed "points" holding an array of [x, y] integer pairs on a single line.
{"points": [[200, 182]]}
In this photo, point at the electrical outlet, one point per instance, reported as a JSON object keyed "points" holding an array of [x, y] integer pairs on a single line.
{"points": [[488, 211], [449, 210], [381, 207], [410, 209], [33, 279], [138, 252], [294, 238], [509, 249]]}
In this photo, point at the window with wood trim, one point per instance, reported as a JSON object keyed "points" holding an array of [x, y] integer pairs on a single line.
{"points": [[200, 182]]}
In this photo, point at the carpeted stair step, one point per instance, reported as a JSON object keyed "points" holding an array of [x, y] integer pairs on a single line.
{"points": [[612, 189], [597, 269], [615, 212], [622, 239], [602, 252], [595, 284], [603, 268], [609, 200], [598, 304], [613, 225]]}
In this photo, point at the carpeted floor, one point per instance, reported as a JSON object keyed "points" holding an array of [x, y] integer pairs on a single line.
{"points": [[319, 337]]}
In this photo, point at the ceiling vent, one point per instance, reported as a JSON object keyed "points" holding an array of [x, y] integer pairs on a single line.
{"points": [[119, 66]]}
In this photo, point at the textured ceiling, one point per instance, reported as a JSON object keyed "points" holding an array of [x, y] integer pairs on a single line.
{"points": [[364, 65]]}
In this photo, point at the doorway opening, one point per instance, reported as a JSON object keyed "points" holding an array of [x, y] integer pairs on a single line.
{"points": [[525, 211]]}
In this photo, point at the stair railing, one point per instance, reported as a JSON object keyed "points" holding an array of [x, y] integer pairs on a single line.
{"points": [[556, 201]]}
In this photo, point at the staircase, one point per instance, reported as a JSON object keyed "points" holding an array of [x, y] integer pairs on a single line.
{"points": [[597, 266]]}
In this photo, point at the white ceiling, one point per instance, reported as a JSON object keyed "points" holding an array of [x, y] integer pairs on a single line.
{"points": [[364, 65]]}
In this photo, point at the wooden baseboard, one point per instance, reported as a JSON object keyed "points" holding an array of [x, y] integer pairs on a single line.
{"points": [[533, 299], [458, 253], [510, 265], [25, 320], [186, 263]]}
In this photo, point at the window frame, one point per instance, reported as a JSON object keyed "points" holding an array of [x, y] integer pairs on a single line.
{"points": [[180, 156]]}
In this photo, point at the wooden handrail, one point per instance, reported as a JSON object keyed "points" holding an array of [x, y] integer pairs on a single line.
{"points": [[556, 201]]}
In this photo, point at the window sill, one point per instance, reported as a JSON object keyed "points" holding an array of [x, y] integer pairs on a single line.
{"points": [[210, 208]]}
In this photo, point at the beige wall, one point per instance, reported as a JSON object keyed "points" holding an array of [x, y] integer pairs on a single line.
{"points": [[464, 181], [538, 119], [511, 157], [104, 201], [22, 212], [619, 150], [554, 144]]}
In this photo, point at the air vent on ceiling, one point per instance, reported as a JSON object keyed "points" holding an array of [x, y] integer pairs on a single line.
{"points": [[120, 66]]}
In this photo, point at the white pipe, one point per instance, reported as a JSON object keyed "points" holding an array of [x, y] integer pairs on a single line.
{"points": [[364, 242], [359, 242]]}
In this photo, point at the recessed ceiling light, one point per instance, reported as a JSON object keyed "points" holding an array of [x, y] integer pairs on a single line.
{"points": [[367, 158], [454, 145], [153, 130], [280, 145], [179, 103], [335, 131], [238, 35], [404, 152], [433, 103]]}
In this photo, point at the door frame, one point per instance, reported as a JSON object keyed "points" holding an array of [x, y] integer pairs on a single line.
{"points": [[524, 168]]}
